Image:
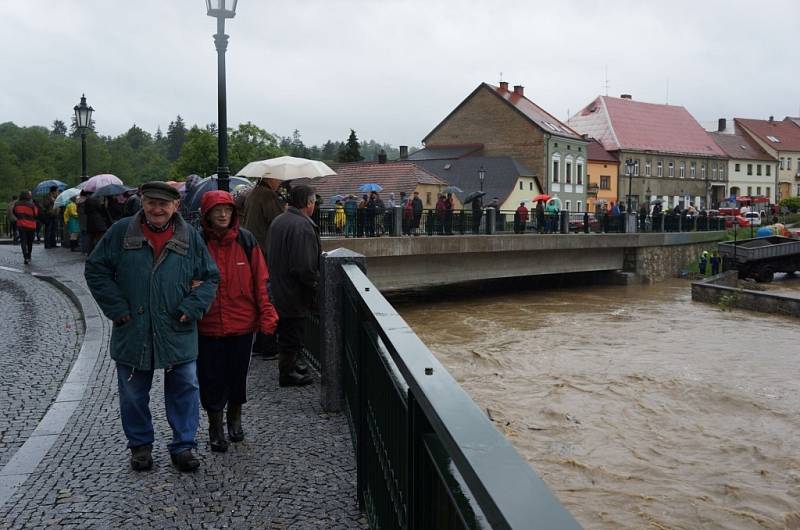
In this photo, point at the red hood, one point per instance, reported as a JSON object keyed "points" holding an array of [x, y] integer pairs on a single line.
{"points": [[215, 198]]}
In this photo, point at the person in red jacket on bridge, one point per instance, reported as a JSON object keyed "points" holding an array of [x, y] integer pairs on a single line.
{"points": [[241, 308]]}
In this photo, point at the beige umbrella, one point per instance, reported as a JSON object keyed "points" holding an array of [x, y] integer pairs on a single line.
{"points": [[285, 168]]}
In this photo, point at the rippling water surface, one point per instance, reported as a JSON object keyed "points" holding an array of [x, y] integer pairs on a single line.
{"points": [[639, 407]]}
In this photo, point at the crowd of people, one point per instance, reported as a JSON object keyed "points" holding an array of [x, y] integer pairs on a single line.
{"points": [[196, 300]]}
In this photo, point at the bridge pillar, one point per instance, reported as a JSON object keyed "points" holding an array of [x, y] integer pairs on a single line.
{"points": [[330, 321], [630, 222], [563, 222], [397, 225], [491, 221]]}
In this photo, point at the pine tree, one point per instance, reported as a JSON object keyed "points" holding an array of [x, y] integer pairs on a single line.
{"points": [[59, 128], [351, 151], [176, 137]]}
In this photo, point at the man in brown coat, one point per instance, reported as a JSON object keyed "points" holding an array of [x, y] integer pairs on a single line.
{"points": [[261, 207]]}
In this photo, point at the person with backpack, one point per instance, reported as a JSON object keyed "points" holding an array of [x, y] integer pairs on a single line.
{"points": [[241, 308]]}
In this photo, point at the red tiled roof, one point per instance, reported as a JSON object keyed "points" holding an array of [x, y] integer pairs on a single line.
{"points": [[393, 177], [740, 146], [595, 152], [625, 124], [786, 132]]}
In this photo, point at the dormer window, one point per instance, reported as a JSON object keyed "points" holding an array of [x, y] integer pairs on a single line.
{"points": [[773, 139]]}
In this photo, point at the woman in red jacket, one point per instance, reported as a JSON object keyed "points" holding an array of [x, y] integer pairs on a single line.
{"points": [[240, 309]]}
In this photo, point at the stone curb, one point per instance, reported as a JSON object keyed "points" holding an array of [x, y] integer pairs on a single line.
{"points": [[27, 458]]}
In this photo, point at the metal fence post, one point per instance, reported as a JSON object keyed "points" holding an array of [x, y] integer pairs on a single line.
{"points": [[491, 221], [563, 222], [330, 317], [397, 225]]}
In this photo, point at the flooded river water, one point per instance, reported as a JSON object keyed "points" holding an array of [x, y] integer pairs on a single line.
{"points": [[638, 407]]}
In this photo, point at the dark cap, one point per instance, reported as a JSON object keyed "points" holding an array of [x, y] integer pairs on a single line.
{"points": [[160, 190]]}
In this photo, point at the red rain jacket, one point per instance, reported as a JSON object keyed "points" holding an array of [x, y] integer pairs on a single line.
{"points": [[242, 305]]}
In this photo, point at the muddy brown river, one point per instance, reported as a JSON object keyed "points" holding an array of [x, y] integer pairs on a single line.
{"points": [[637, 406]]}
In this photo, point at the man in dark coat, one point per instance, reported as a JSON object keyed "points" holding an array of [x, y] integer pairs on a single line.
{"points": [[261, 207], [293, 252], [49, 217], [416, 205], [477, 213], [97, 220]]}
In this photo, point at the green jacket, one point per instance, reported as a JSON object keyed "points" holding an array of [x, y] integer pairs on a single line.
{"points": [[124, 280]]}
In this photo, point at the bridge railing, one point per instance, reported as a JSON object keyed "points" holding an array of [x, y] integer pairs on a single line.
{"points": [[426, 454]]}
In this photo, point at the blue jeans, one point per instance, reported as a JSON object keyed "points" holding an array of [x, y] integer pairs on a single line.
{"points": [[181, 400]]}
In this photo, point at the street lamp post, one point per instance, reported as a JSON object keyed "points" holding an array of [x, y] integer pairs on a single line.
{"points": [[629, 163], [481, 176], [83, 118], [221, 9]]}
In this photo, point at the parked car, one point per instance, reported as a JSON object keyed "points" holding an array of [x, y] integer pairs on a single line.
{"points": [[753, 218], [738, 219]]}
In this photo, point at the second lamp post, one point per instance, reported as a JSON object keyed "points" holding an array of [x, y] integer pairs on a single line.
{"points": [[83, 119], [222, 9]]}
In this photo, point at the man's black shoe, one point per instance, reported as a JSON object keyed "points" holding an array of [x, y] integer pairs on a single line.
{"points": [[295, 379], [141, 457], [185, 461], [301, 368]]}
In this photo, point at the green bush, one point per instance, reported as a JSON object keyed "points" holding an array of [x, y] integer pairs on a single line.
{"points": [[793, 203]]}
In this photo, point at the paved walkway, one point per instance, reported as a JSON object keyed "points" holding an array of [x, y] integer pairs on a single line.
{"points": [[294, 470]]}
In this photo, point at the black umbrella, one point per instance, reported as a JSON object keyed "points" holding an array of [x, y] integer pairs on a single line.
{"points": [[110, 190], [193, 197], [474, 195]]}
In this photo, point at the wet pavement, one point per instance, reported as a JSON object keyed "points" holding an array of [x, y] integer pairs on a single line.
{"points": [[294, 470]]}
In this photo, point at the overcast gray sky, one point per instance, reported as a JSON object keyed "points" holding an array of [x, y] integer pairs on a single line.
{"points": [[390, 69]]}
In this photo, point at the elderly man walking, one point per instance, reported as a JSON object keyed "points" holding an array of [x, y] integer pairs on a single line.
{"points": [[261, 207], [293, 253], [153, 278]]}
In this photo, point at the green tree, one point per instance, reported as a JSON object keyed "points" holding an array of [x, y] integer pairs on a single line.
{"points": [[249, 143], [176, 136], [351, 151], [59, 128], [198, 154]]}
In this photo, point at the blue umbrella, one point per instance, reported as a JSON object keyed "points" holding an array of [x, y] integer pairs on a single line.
{"points": [[370, 187], [452, 189], [110, 190], [45, 185], [193, 196]]}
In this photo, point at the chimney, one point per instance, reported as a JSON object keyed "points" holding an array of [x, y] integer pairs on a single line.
{"points": [[722, 124], [519, 89], [626, 96], [382, 157], [504, 86], [772, 119], [403, 152]]}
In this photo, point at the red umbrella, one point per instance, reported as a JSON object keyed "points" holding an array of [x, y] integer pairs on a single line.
{"points": [[541, 197]]}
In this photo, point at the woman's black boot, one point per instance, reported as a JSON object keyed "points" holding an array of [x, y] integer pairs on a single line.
{"points": [[235, 432], [216, 433]]}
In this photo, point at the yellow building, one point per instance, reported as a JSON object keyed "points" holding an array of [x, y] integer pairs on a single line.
{"points": [[601, 172]]}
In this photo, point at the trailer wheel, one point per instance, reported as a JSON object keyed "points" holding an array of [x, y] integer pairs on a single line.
{"points": [[765, 274]]}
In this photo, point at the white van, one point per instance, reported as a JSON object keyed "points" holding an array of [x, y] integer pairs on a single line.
{"points": [[754, 218]]}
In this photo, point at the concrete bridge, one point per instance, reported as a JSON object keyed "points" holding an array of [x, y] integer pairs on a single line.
{"points": [[409, 263]]}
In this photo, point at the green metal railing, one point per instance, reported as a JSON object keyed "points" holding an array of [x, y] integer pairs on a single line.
{"points": [[427, 457]]}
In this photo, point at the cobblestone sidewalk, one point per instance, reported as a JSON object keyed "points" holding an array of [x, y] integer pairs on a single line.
{"points": [[295, 469]]}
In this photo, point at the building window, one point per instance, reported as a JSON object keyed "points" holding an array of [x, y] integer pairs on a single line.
{"points": [[428, 199], [567, 205], [579, 174], [769, 193], [568, 172], [555, 170], [749, 169], [647, 168], [636, 168], [758, 191], [672, 169], [749, 191], [530, 184], [693, 169], [682, 170], [605, 182], [660, 169], [714, 172], [736, 168], [520, 185], [758, 169], [578, 206], [781, 162], [722, 171], [788, 162], [768, 167]]}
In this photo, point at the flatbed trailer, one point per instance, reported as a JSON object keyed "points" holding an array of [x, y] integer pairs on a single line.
{"points": [[760, 258]]}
